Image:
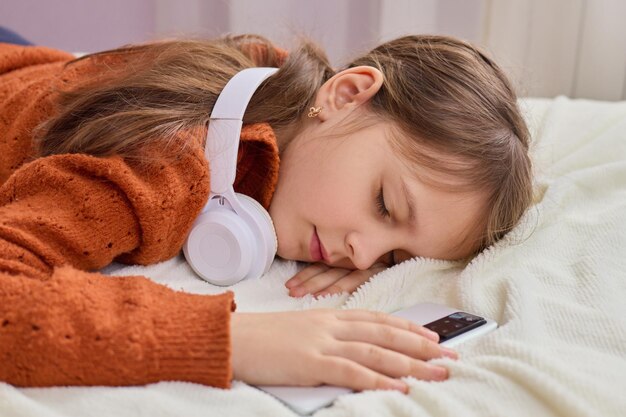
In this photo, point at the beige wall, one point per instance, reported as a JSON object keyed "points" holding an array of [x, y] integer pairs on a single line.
{"points": [[571, 47], [549, 47]]}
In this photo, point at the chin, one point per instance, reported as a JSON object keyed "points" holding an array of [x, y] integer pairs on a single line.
{"points": [[290, 252], [285, 255]]}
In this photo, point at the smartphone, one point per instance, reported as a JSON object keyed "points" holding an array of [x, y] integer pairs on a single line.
{"points": [[452, 325]]}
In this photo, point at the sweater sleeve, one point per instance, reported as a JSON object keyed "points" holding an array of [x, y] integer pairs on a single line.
{"points": [[60, 324]]}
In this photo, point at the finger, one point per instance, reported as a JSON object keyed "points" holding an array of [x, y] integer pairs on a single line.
{"points": [[379, 266], [384, 318], [343, 372], [349, 283], [320, 282], [388, 362], [306, 273], [390, 337]]}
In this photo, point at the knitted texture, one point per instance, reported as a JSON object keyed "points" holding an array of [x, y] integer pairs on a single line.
{"points": [[63, 216]]}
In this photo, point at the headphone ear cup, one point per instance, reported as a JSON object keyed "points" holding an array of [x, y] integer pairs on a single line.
{"points": [[265, 233], [220, 246]]}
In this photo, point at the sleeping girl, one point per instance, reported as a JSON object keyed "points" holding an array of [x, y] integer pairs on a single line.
{"points": [[416, 148]]}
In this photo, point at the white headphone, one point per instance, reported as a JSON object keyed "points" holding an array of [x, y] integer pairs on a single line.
{"points": [[233, 238]]}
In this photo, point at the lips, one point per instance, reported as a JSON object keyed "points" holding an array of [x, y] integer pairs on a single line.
{"points": [[322, 249], [316, 248]]}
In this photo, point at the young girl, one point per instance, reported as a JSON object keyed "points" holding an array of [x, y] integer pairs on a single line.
{"points": [[416, 148]]}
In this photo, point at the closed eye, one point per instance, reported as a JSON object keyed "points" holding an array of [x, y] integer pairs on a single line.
{"points": [[382, 210], [380, 202]]}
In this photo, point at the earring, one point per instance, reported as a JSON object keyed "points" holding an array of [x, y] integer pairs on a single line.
{"points": [[313, 112]]}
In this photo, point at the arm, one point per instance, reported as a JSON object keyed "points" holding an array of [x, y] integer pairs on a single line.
{"points": [[14, 57], [60, 325], [80, 328]]}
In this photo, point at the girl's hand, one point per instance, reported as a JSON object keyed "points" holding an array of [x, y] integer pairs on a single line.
{"points": [[319, 279], [358, 349]]}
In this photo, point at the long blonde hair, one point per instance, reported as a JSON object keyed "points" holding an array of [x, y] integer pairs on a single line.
{"points": [[150, 92], [443, 94]]}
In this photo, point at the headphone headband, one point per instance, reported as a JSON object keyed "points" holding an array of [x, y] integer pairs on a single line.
{"points": [[225, 123]]}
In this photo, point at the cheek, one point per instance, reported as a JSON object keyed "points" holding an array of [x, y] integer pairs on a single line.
{"points": [[293, 203], [302, 188], [339, 211]]}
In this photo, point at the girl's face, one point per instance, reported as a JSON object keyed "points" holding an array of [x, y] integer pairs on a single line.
{"points": [[332, 186]]}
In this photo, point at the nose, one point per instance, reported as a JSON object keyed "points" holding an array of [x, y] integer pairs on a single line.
{"points": [[365, 251]]}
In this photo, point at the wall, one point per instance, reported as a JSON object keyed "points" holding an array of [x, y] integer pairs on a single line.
{"points": [[78, 25], [549, 47], [571, 47]]}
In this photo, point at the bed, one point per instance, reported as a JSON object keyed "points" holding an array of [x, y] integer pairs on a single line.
{"points": [[556, 284]]}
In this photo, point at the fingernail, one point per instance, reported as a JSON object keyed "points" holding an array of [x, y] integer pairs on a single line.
{"points": [[289, 284], [432, 335], [399, 386], [438, 373], [449, 353]]}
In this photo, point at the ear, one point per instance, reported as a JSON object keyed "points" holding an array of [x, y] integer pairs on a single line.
{"points": [[348, 89]]}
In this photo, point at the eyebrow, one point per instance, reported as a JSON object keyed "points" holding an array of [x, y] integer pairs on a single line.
{"points": [[410, 202]]}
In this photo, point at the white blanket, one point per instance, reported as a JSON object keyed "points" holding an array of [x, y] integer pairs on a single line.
{"points": [[556, 285]]}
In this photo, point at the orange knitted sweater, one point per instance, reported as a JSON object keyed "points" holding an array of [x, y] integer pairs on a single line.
{"points": [[63, 216]]}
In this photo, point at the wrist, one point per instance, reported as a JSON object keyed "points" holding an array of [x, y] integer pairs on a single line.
{"points": [[235, 344]]}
